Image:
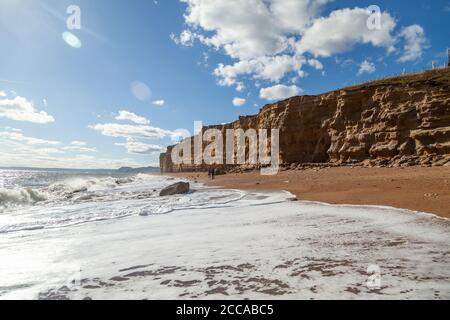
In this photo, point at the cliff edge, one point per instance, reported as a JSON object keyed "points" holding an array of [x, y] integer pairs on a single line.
{"points": [[400, 121]]}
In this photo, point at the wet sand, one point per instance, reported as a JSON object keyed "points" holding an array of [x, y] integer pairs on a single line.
{"points": [[425, 189]]}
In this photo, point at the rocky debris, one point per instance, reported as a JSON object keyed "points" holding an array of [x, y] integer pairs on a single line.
{"points": [[395, 122], [176, 188]]}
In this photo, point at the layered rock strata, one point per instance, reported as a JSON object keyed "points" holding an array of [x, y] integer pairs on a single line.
{"points": [[401, 121]]}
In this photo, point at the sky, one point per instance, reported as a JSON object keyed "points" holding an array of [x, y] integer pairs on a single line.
{"points": [[111, 83]]}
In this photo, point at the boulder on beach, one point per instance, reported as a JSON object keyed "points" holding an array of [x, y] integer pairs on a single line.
{"points": [[176, 188]]}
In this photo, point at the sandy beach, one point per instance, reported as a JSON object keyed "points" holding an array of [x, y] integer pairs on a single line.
{"points": [[425, 189]]}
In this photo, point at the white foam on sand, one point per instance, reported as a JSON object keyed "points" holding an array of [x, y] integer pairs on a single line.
{"points": [[247, 245]]}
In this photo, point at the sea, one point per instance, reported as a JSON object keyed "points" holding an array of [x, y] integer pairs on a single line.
{"points": [[89, 235]]}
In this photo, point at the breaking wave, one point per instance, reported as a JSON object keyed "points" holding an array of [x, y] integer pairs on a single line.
{"points": [[78, 200], [91, 184], [20, 196]]}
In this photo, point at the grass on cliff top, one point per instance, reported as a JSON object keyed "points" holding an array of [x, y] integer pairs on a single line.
{"points": [[438, 77]]}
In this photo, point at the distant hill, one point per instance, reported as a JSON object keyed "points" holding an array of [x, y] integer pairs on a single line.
{"points": [[138, 170]]}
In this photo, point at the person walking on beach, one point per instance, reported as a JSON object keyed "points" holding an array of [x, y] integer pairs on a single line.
{"points": [[213, 173]]}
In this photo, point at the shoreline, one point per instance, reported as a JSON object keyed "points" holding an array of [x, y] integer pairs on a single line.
{"points": [[259, 246], [420, 189]]}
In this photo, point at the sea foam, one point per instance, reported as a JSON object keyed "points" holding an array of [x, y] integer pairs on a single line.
{"points": [[20, 196]]}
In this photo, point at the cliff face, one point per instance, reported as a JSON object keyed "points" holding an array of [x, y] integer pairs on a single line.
{"points": [[391, 122]]}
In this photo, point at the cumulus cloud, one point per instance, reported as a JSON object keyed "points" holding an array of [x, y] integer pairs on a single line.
{"points": [[159, 103], [2, 93], [279, 92], [248, 29], [265, 68], [243, 28], [131, 131], [135, 147], [366, 67], [258, 33], [20, 109], [344, 28], [239, 102], [415, 43], [271, 40], [130, 116]]}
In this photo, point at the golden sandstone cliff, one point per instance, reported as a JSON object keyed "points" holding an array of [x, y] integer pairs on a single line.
{"points": [[401, 121]]}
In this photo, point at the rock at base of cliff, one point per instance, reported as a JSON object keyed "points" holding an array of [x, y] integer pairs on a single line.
{"points": [[177, 188]]}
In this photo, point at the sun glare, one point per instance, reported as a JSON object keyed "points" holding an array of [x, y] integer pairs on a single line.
{"points": [[71, 39]]}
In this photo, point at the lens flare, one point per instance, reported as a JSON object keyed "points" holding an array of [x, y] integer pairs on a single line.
{"points": [[140, 90], [71, 39]]}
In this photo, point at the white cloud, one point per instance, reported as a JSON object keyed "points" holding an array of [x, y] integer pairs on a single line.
{"points": [[271, 39], [239, 102], [135, 147], [17, 136], [315, 64], [79, 149], [180, 134], [244, 29], [344, 28], [279, 92], [20, 109], [186, 38], [295, 16], [415, 43], [159, 103], [78, 143], [11, 129], [265, 68], [248, 29], [240, 86], [22, 151], [2, 93], [366, 67], [130, 116], [51, 158], [260, 34], [131, 131]]}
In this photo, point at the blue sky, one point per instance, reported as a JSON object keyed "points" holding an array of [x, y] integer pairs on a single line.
{"points": [[165, 64]]}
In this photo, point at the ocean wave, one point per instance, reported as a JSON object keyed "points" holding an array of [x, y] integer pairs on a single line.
{"points": [[78, 185], [81, 188], [20, 196], [91, 199]]}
